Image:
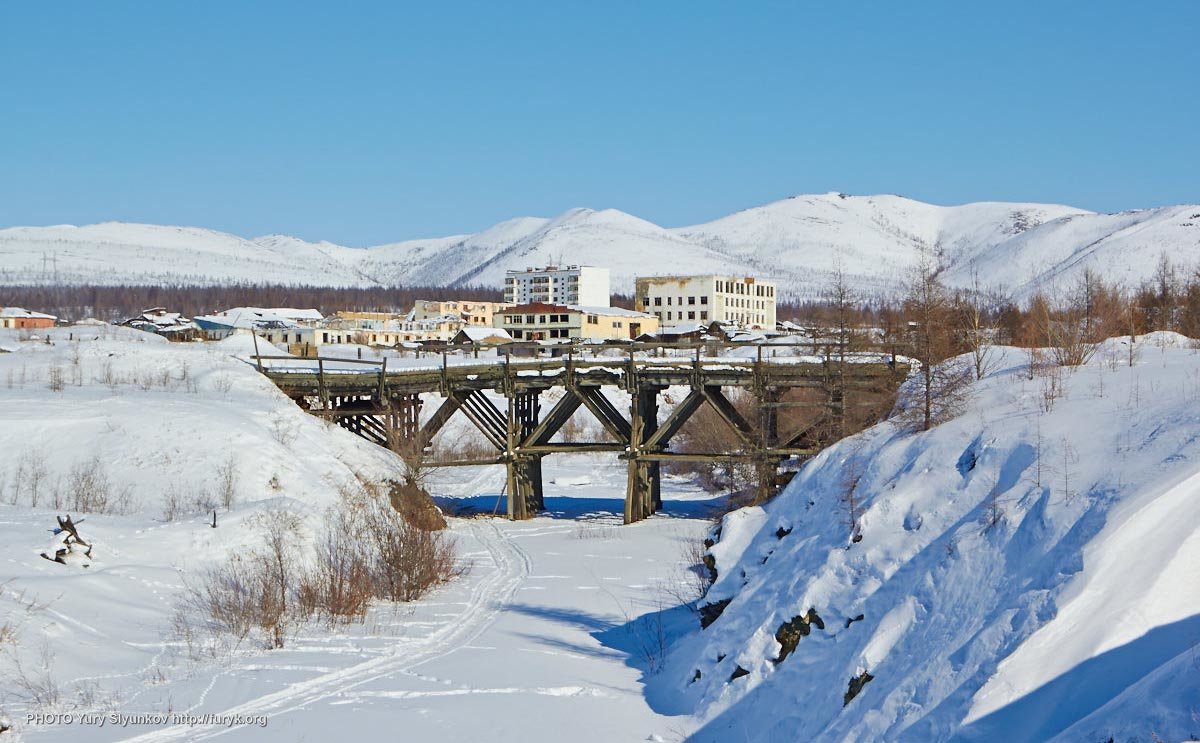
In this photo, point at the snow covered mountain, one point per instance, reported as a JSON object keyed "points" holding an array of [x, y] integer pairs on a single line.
{"points": [[797, 241]]}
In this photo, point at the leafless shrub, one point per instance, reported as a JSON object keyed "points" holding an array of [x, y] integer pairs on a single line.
{"points": [[33, 683], [1052, 388], [30, 479], [282, 430], [107, 376], [340, 586], [89, 489], [56, 380], [408, 560], [227, 482], [369, 551], [595, 530], [182, 500], [223, 383]]}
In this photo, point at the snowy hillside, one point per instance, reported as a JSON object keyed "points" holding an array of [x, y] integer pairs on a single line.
{"points": [[1026, 571], [797, 241], [115, 253]]}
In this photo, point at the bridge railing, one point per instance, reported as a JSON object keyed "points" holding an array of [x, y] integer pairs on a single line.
{"points": [[584, 355]]}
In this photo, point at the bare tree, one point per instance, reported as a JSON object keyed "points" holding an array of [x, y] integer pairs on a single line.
{"points": [[977, 328], [941, 384]]}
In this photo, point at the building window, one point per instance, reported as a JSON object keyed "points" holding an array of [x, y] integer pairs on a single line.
{"points": [[691, 300], [645, 301], [529, 319], [668, 314], [691, 315], [593, 320], [668, 301], [658, 301], [703, 314], [704, 299], [541, 319]]}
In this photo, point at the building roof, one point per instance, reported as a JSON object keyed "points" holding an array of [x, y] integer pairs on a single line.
{"points": [[257, 317], [686, 277], [684, 329], [22, 312], [610, 311], [522, 309], [478, 334]]}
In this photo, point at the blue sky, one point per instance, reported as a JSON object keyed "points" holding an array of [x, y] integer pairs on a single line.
{"points": [[364, 122]]}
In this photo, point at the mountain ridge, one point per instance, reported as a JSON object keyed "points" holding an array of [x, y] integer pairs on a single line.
{"points": [[797, 241]]}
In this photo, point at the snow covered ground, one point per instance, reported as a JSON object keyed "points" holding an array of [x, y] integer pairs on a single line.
{"points": [[1026, 571], [542, 633]]}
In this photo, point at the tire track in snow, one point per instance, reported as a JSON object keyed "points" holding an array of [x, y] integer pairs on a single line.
{"points": [[488, 598]]}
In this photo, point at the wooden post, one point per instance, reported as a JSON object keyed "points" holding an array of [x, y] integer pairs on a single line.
{"points": [[382, 380], [257, 356], [322, 390]]}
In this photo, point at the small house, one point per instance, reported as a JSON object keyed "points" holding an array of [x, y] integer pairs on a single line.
{"points": [[22, 319]]}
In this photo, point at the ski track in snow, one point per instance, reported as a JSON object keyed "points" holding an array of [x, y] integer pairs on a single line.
{"points": [[488, 598]]}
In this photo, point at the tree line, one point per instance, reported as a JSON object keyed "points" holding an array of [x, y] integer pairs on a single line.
{"points": [[117, 303]]}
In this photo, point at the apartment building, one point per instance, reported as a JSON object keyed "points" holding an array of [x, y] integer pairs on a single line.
{"points": [[741, 300], [565, 285]]}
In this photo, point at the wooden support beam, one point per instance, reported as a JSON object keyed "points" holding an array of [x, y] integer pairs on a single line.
{"points": [[675, 421], [729, 413], [554, 420], [574, 447], [440, 416], [604, 411]]}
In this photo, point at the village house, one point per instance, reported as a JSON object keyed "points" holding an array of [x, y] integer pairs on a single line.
{"points": [[300, 340], [540, 321], [301, 332], [740, 300], [170, 325], [481, 337], [21, 318]]}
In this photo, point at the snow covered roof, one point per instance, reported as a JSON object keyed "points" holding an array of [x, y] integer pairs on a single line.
{"points": [[246, 317], [684, 329], [610, 311], [22, 312], [477, 334], [290, 313]]}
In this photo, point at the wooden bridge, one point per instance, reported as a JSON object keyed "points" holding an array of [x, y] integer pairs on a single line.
{"points": [[384, 405]]}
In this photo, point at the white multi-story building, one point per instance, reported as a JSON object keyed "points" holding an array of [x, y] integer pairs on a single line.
{"points": [[740, 300], [566, 285]]}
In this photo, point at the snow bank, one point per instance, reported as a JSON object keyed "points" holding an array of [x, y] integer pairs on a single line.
{"points": [[162, 420], [1025, 572]]}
